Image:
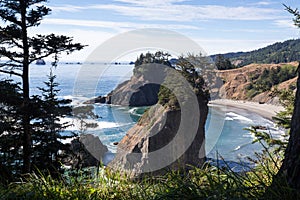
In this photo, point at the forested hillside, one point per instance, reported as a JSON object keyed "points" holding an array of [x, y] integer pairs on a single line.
{"points": [[280, 52]]}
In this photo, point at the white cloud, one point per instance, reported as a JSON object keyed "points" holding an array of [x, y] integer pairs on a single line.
{"points": [[66, 8], [168, 11], [150, 2], [192, 13], [262, 3], [120, 26], [285, 23]]}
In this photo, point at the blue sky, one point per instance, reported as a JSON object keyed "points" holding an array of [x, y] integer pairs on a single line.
{"points": [[218, 26]]}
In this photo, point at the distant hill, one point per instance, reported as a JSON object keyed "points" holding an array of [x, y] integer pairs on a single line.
{"points": [[280, 52]]}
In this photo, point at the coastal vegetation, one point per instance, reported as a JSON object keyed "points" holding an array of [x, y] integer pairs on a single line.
{"points": [[30, 131], [270, 78]]}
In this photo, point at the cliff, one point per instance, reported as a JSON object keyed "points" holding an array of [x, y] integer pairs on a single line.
{"points": [[138, 91], [141, 90], [163, 139], [236, 83]]}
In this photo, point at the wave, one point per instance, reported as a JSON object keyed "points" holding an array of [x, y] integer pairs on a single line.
{"points": [[240, 147], [235, 116], [77, 124], [228, 119], [138, 111]]}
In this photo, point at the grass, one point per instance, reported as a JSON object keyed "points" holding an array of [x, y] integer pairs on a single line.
{"points": [[208, 182]]}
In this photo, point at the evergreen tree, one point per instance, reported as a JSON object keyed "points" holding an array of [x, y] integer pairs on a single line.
{"points": [[48, 129], [223, 63], [190, 68], [289, 170], [18, 18], [10, 137]]}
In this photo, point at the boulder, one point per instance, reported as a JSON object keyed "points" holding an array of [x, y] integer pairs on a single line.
{"points": [[40, 62], [100, 99], [85, 151]]}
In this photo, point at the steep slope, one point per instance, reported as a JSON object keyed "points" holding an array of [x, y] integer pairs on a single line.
{"points": [[237, 81], [163, 139]]}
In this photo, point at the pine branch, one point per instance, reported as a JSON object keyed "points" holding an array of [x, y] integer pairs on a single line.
{"points": [[10, 55], [11, 73], [296, 14]]}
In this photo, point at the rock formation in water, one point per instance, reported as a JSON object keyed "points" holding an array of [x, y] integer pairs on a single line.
{"points": [[138, 91], [134, 92], [85, 151], [170, 135], [161, 141]]}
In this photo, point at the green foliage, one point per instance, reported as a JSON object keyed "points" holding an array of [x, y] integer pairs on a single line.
{"points": [[223, 63], [190, 68], [159, 57], [208, 182], [287, 99], [10, 137], [280, 52], [46, 111], [19, 49], [269, 78], [83, 114], [47, 128]]}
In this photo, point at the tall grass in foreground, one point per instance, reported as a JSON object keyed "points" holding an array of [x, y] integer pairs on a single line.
{"points": [[208, 182]]}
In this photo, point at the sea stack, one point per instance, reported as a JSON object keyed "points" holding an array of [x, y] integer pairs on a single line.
{"points": [[150, 147], [170, 135]]}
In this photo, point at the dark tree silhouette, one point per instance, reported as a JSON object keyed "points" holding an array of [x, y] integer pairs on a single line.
{"points": [[20, 50], [47, 128], [290, 169], [10, 138]]}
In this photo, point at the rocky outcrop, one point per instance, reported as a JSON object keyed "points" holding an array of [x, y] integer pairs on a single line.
{"points": [[163, 139], [85, 151], [141, 90], [138, 91], [40, 62], [100, 99]]}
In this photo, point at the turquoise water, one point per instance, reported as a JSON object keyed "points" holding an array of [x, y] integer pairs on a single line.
{"points": [[224, 128]]}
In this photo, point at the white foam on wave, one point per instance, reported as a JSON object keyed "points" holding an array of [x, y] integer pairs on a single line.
{"points": [[134, 111], [229, 119], [76, 100], [237, 148], [101, 124], [238, 117]]}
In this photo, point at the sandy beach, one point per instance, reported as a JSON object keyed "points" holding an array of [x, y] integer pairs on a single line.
{"points": [[265, 110]]}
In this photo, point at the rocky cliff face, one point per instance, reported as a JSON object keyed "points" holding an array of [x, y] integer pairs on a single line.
{"points": [[85, 151], [163, 139], [138, 91], [166, 137], [141, 90]]}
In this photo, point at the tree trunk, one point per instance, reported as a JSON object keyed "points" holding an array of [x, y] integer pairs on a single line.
{"points": [[290, 169], [26, 97]]}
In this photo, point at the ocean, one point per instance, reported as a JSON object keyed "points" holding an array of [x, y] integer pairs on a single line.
{"points": [[225, 134]]}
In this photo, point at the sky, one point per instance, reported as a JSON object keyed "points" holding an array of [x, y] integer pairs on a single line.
{"points": [[218, 26]]}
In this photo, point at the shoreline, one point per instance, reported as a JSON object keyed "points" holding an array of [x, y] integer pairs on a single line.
{"points": [[265, 110]]}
